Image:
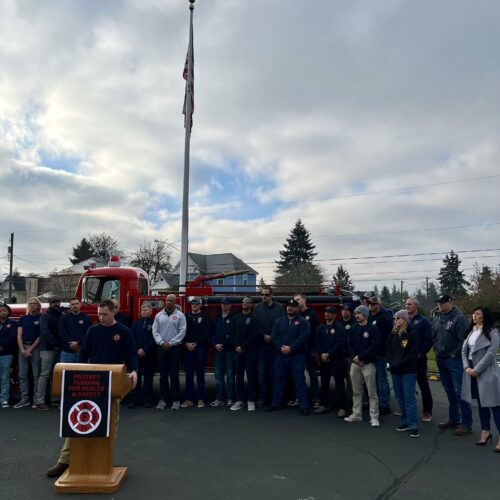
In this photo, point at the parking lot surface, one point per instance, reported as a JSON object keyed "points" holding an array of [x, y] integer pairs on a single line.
{"points": [[214, 453]]}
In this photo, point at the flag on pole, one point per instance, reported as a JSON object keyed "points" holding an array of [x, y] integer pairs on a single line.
{"points": [[188, 75]]}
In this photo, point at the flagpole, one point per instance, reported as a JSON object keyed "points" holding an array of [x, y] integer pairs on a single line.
{"points": [[187, 143]]}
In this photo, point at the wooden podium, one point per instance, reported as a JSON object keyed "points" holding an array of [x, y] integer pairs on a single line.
{"points": [[91, 464]]}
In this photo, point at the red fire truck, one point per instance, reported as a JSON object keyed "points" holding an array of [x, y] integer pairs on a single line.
{"points": [[130, 285]]}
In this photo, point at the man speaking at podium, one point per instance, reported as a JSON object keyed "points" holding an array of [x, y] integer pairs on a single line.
{"points": [[107, 342]]}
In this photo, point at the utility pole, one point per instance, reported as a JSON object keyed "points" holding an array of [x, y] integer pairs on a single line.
{"points": [[401, 298], [427, 287], [11, 256]]}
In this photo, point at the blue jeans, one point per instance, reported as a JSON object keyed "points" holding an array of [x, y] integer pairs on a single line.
{"points": [[296, 364], [194, 362], [5, 364], [224, 391], [383, 388], [451, 371], [404, 389], [48, 359], [69, 357]]}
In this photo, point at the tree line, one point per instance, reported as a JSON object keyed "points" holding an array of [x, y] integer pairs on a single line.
{"points": [[296, 270]]}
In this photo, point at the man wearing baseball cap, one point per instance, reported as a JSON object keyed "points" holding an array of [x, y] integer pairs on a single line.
{"points": [[290, 334], [448, 330], [363, 344]]}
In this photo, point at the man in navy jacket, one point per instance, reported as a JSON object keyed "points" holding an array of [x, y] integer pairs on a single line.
{"points": [[363, 345], [145, 346], [290, 335], [330, 341]]}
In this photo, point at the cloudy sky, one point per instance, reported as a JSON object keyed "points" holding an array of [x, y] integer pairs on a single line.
{"points": [[377, 123]]}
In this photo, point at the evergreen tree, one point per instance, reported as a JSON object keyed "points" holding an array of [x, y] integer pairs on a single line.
{"points": [[343, 279], [485, 288], [298, 248], [451, 279], [385, 296], [395, 295], [433, 293], [81, 252], [375, 291], [483, 279], [303, 277]]}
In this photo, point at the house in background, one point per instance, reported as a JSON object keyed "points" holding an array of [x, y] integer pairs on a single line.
{"points": [[165, 283], [220, 263], [63, 283]]}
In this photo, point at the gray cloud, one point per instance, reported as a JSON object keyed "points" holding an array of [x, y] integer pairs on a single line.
{"points": [[319, 101]]}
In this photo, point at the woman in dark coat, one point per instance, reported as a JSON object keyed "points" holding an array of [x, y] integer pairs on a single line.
{"points": [[402, 354], [481, 379]]}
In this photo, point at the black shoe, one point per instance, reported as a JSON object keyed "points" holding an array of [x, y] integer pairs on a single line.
{"points": [[274, 408], [57, 469], [385, 411], [148, 404], [305, 412], [448, 425]]}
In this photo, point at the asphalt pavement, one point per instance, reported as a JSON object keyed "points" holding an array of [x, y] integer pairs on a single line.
{"points": [[217, 454]]}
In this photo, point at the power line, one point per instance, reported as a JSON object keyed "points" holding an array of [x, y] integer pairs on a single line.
{"points": [[339, 197], [390, 256], [355, 235]]}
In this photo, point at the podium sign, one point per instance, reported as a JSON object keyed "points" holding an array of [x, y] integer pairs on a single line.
{"points": [[90, 396], [85, 404]]}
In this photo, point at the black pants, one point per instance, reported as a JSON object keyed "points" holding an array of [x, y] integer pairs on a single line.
{"points": [[423, 383], [169, 364], [335, 368], [143, 392]]}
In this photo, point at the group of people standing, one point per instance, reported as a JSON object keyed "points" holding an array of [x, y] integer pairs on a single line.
{"points": [[262, 355]]}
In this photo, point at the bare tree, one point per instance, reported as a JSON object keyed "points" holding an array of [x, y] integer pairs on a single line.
{"points": [[103, 245], [152, 257]]}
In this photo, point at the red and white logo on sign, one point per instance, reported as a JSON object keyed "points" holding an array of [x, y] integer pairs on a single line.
{"points": [[84, 417]]}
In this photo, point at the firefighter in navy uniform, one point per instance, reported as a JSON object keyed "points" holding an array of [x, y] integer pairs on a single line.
{"points": [[290, 335], [107, 342], [142, 331], [198, 331], [330, 341], [245, 339]]}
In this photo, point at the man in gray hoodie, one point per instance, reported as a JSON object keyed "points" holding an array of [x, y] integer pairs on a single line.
{"points": [[448, 331]]}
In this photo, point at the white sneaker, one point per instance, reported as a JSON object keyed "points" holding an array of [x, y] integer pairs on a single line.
{"points": [[237, 406], [353, 418], [251, 406], [22, 404], [217, 403], [161, 405], [374, 422], [5, 404], [176, 405]]}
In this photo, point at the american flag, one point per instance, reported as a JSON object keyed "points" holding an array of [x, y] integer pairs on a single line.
{"points": [[189, 80]]}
